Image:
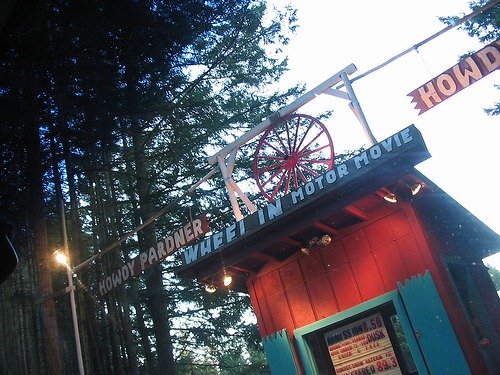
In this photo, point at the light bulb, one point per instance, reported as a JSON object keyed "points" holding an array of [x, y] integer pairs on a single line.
{"points": [[227, 280], [210, 288], [305, 250], [61, 258], [391, 197], [326, 240], [415, 189]]}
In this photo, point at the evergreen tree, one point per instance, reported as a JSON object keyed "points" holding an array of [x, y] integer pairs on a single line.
{"points": [[113, 107]]}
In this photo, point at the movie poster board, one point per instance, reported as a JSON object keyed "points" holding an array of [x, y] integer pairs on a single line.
{"points": [[362, 347]]}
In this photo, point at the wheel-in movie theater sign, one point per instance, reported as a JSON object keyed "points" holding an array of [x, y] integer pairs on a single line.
{"points": [[154, 255], [404, 147], [469, 70]]}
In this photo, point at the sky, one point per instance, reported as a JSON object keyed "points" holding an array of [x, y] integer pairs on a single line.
{"points": [[461, 138]]}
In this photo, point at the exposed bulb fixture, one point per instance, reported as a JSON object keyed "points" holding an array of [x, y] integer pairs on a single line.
{"points": [[391, 197], [325, 240], [61, 257], [403, 189], [415, 188], [210, 288], [312, 242]]}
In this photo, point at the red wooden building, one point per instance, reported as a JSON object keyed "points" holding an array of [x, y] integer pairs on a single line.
{"points": [[343, 281]]}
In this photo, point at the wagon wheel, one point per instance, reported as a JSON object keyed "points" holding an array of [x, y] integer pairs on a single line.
{"points": [[291, 153]]}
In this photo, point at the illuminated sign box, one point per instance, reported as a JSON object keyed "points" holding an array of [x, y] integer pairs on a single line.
{"points": [[362, 347]]}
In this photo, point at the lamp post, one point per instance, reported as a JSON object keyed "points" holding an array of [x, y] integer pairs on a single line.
{"points": [[62, 259]]}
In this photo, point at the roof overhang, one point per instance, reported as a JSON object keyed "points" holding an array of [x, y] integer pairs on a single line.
{"points": [[456, 229]]}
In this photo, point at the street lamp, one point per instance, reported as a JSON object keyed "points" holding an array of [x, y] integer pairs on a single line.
{"points": [[62, 259]]}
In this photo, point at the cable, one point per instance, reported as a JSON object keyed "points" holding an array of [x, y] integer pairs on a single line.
{"points": [[416, 46], [146, 223]]}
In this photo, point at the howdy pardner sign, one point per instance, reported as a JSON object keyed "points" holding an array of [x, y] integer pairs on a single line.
{"points": [[155, 254], [466, 72]]}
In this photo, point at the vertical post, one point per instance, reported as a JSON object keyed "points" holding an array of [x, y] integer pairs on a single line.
{"points": [[71, 288], [232, 196], [356, 108]]}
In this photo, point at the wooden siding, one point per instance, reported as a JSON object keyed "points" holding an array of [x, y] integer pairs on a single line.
{"points": [[363, 262]]}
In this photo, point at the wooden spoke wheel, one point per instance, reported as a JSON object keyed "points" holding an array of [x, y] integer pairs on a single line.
{"points": [[291, 153]]}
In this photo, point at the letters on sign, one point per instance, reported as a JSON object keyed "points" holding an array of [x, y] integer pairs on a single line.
{"points": [[155, 254], [362, 347], [405, 142], [469, 70]]}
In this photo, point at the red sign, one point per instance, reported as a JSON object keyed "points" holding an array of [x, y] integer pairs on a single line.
{"points": [[467, 71], [155, 254]]}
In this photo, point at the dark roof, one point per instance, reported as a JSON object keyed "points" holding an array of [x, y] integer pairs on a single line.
{"points": [[452, 224]]}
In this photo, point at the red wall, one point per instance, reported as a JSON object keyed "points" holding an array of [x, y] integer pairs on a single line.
{"points": [[363, 262]]}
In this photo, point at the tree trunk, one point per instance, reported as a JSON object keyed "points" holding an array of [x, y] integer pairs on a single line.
{"points": [[130, 345], [102, 229], [43, 256], [81, 253], [156, 296], [134, 286]]}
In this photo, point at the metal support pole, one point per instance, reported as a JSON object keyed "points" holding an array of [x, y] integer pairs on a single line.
{"points": [[71, 289]]}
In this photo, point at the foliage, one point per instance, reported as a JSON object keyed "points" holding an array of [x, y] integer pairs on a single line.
{"points": [[495, 276], [113, 108]]}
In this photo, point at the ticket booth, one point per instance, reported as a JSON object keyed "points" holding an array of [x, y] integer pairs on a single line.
{"points": [[369, 268]]}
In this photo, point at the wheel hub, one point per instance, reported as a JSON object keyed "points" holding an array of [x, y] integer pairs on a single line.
{"points": [[291, 160]]}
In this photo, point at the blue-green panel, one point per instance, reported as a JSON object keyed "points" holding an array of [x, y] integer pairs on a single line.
{"points": [[279, 354], [436, 338]]}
